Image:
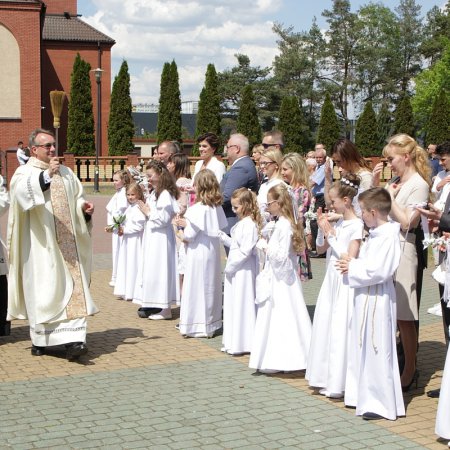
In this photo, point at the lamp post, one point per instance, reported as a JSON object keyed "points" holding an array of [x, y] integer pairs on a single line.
{"points": [[98, 141]]}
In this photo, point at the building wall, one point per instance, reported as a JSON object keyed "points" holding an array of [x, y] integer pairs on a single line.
{"points": [[61, 6], [23, 21], [58, 59]]}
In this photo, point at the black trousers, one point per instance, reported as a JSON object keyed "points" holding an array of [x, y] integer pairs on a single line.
{"points": [[320, 203], [5, 326]]}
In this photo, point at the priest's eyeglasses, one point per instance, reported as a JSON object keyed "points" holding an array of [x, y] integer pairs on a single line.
{"points": [[48, 145]]}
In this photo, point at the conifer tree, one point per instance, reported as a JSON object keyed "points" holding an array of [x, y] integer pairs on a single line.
{"points": [[169, 115], [438, 130], [384, 126], [208, 116], [247, 122], [329, 129], [121, 125], [291, 124], [404, 120], [366, 138], [80, 128]]}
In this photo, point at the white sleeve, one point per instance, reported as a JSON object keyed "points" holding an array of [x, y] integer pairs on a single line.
{"points": [[161, 215], [246, 242]]}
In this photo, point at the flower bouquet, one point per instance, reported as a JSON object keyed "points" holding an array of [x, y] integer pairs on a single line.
{"points": [[117, 225]]}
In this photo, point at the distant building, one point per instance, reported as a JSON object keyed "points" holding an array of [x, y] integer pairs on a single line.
{"points": [[188, 107], [38, 44], [147, 123]]}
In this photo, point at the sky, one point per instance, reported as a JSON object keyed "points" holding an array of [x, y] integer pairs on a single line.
{"points": [[197, 32]]}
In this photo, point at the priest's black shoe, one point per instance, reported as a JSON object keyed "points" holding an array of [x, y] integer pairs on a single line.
{"points": [[144, 313], [75, 350], [37, 351], [371, 416], [434, 393]]}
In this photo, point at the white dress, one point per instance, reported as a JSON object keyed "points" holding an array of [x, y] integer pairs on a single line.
{"points": [[201, 300], [216, 166], [116, 207], [373, 378], [130, 248], [262, 196], [239, 309], [283, 327], [158, 283], [327, 361], [443, 411]]}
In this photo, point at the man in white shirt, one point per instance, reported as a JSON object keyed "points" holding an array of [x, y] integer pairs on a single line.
{"points": [[22, 156]]}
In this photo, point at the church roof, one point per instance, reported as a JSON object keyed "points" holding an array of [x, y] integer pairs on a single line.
{"points": [[71, 28]]}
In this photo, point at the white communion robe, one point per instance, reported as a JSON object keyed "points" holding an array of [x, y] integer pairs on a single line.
{"points": [[239, 309], [443, 411], [327, 361], [130, 248], [373, 378], [201, 300], [40, 285], [283, 326], [157, 285], [116, 207]]}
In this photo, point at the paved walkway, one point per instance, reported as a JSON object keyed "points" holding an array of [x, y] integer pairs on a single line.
{"points": [[144, 386]]}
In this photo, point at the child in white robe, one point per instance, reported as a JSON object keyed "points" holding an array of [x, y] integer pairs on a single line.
{"points": [[201, 299], [327, 361], [115, 208], [283, 326], [131, 231], [239, 309], [158, 283], [373, 378]]}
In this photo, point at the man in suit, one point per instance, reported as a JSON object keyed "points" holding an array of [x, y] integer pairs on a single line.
{"points": [[242, 173], [441, 220]]}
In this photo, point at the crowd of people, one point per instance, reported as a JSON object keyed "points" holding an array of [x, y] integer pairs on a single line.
{"points": [[272, 214]]}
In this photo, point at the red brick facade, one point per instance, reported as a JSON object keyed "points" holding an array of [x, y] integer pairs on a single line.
{"points": [[61, 6]]}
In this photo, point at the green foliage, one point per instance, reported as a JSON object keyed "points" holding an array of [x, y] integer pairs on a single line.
{"points": [[428, 86], [291, 124], [384, 126], [208, 116], [329, 130], [247, 122], [169, 114], [438, 130], [437, 33], [80, 129], [120, 124], [366, 138], [404, 120]]}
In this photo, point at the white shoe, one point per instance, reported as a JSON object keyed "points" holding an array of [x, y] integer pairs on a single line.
{"points": [[268, 371], [324, 392], [163, 315], [436, 310], [112, 283]]}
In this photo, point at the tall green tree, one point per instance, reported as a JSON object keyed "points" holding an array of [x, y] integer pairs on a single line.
{"points": [[208, 116], [437, 33], [247, 122], [329, 129], [366, 137], [404, 119], [342, 34], [384, 125], [80, 129], [438, 130], [291, 124], [169, 114], [120, 124]]}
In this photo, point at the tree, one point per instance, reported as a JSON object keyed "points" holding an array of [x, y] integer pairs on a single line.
{"points": [[366, 138], [437, 33], [438, 130], [208, 116], [384, 126], [291, 124], [80, 129], [329, 130], [169, 115], [429, 84], [404, 120], [343, 34], [120, 124], [247, 122]]}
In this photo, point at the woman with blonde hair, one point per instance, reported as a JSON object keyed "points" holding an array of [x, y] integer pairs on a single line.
{"points": [[295, 173], [270, 164], [201, 299], [410, 187]]}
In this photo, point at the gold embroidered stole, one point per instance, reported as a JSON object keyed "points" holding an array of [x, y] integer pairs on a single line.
{"points": [[65, 236]]}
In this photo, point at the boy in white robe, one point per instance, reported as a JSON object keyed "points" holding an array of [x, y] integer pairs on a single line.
{"points": [[373, 379]]}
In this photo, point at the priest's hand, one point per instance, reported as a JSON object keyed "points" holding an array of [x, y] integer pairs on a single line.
{"points": [[88, 208], [53, 166]]}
